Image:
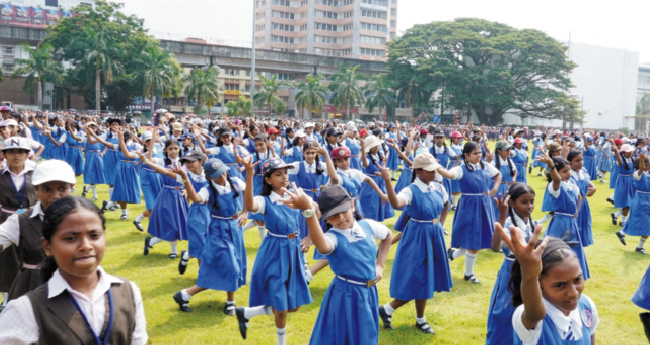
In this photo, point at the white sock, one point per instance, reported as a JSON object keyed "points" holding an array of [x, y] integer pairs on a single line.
{"points": [[420, 320], [457, 253], [185, 257], [618, 213], [389, 309], [453, 200], [94, 191], [470, 261], [393, 175], [186, 297], [154, 241], [110, 193], [308, 275], [249, 225], [262, 230], [257, 311], [612, 197], [140, 218], [174, 247], [230, 302], [5, 296], [282, 334], [623, 219], [641, 242], [124, 212]]}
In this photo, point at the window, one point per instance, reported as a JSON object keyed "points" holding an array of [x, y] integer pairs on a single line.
{"points": [[54, 3], [373, 52], [232, 86], [8, 68], [286, 3], [393, 24], [373, 14], [326, 27], [9, 50], [393, 12], [347, 27], [282, 39], [329, 2], [259, 39], [326, 14], [285, 15], [383, 3], [373, 39], [283, 27], [260, 15], [325, 39], [282, 76], [374, 27]]}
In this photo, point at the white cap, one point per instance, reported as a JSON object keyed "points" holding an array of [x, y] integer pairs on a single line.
{"points": [[16, 143], [353, 128], [557, 131], [147, 135], [53, 170], [300, 134], [309, 124], [3, 123], [11, 122], [372, 141]]}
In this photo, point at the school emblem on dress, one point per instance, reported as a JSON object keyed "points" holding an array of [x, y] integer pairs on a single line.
{"points": [[586, 317]]}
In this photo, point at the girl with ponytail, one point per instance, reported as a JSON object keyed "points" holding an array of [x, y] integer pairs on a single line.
{"points": [[506, 167], [74, 240]]}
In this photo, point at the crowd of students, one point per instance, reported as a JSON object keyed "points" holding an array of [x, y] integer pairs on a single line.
{"points": [[330, 184]]}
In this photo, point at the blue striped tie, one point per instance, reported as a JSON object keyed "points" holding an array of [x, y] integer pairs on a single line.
{"points": [[569, 333]]}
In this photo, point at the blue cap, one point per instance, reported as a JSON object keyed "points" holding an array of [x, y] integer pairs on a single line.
{"points": [[214, 168], [391, 126]]}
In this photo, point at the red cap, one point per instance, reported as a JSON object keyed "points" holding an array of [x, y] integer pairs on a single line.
{"points": [[363, 133], [618, 141], [424, 131], [341, 152], [519, 140], [273, 130]]}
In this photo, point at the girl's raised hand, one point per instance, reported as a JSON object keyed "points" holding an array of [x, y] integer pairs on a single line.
{"points": [[248, 164], [178, 170], [297, 199], [544, 158], [322, 151], [529, 257], [502, 203]]}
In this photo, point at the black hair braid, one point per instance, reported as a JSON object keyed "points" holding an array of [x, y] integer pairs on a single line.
{"points": [[219, 142], [319, 169], [233, 187], [414, 176], [168, 160], [214, 192], [257, 159], [469, 167], [624, 161], [511, 166]]}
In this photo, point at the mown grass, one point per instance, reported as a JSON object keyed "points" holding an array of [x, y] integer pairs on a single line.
{"points": [[459, 317]]}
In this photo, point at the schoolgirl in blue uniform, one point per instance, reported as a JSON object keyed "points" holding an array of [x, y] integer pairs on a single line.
{"points": [[249, 138], [373, 206], [473, 224], [421, 266], [639, 216], [150, 181], [278, 284], [505, 166], [168, 219], [404, 152], [293, 151], [348, 312], [456, 147], [624, 191], [520, 159], [516, 209], [554, 150], [590, 157], [310, 176], [565, 204], [222, 263], [111, 158], [73, 154], [353, 144], [444, 155], [57, 143], [580, 177], [332, 137], [544, 313], [539, 146], [604, 164], [613, 176], [392, 160], [94, 165]]}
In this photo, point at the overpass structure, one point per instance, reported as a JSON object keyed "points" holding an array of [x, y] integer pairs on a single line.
{"points": [[193, 54]]}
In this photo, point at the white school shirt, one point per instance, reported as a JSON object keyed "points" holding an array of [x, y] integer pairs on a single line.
{"points": [[309, 168], [441, 150], [350, 173], [289, 152], [638, 175], [571, 186], [458, 170], [63, 137], [18, 324], [407, 194], [229, 149], [356, 233], [531, 336], [204, 193], [19, 178], [261, 202], [10, 229]]}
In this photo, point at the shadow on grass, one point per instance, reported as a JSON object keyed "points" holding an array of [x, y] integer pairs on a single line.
{"points": [[149, 261], [206, 314]]}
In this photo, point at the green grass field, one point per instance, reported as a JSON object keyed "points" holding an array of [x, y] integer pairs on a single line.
{"points": [[459, 317]]}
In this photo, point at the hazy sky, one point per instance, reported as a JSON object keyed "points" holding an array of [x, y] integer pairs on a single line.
{"points": [[618, 24]]}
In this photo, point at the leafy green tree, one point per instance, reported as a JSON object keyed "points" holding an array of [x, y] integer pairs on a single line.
{"points": [[2, 75], [245, 106], [311, 94], [233, 108], [158, 71], [345, 85], [484, 66], [38, 68], [202, 86], [268, 94], [378, 94]]}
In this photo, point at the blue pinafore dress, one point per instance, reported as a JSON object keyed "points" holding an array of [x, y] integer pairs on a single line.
{"points": [[565, 207], [499, 322], [37, 134], [349, 312], [458, 150], [581, 179], [277, 278], [229, 159], [73, 155], [94, 165], [538, 142], [406, 176], [443, 159], [60, 151], [168, 220], [258, 182], [150, 183], [373, 207], [519, 160], [421, 266], [393, 157], [223, 265], [613, 175], [506, 177], [589, 156], [605, 162], [198, 218], [550, 335], [474, 219], [111, 158], [352, 185], [127, 179], [624, 191], [311, 184], [638, 220], [355, 149]]}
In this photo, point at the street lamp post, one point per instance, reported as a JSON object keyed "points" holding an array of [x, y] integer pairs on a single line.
{"points": [[252, 92]]}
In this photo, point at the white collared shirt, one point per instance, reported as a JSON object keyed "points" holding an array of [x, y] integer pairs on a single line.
{"points": [[18, 324], [561, 321], [309, 168], [637, 175], [458, 170], [441, 150], [19, 178], [407, 194], [569, 185], [261, 202], [225, 189], [229, 149], [10, 229], [579, 175], [356, 233], [350, 173]]}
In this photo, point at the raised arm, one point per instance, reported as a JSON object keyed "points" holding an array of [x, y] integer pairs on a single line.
{"points": [[331, 170], [157, 168], [298, 200], [362, 153], [619, 161], [123, 148], [100, 140], [197, 135], [189, 188], [555, 176], [249, 202], [395, 202], [502, 205]]}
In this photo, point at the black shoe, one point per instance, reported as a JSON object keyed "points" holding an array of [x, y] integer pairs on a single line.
{"points": [[621, 237], [183, 304], [243, 321], [614, 220], [138, 225], [472, 278], [424, 327], [124, 217], [610, 200], [104, 204], [385, 318], [393, 179], [147, 246], [450, 253], [172, 256], [84, 191], [645, 320], [530, 169], [181, 267], [621, 223], [641, 250], [229, 309]]}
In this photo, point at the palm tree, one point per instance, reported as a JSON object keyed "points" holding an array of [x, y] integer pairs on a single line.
{"points": [[345, 85], [268, 94], [312, 93], [158, 70], [202, 86], [378, 94], [100, 56], [414, 95], [2, 75], [38, 68]]}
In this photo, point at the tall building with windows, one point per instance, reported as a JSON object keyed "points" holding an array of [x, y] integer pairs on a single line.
{"points": [[351, 28]]}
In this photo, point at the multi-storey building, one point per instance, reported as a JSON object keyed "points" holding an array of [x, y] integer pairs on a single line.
{"points": [[354, 28]]}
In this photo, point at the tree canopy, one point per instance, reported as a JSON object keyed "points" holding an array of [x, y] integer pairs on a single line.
{"points": [[484, 66]]}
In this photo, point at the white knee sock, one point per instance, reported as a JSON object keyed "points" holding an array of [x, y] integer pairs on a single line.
{"points": [[94, 191], [641, 242], [257, 311], [618, 213], [249, 225], [262, 230], [458, 253], [393, 175], [174, 246], [186, 257], [470, 261], [623, 219], [389, 309], [110, 192], [453, 200], [282, 334], [420, 320], [154, 241], [124, 213], [186, 297], [140, 218]]}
